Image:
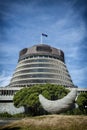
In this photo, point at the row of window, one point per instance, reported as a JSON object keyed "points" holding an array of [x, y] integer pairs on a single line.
{"points": [[42, 60], [51, 63], [38, 65], [31, 84], [41, 76], [42, 56], [7, 92], [40, 70], [35, 81]]}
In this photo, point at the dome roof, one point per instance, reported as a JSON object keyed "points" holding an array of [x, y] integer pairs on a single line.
{"points": [[41, 49]]}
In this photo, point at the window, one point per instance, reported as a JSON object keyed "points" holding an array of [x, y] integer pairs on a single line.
{"points": [[44, 48]]}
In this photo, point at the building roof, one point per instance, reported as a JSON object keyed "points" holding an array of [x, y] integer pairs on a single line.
{"points": [[42, 49]]}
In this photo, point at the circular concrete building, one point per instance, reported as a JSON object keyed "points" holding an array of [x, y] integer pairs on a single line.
{"points": [[41, 64]]}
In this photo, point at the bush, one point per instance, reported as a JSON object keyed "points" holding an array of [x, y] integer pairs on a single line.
{"points": [[75, 111], [5, 114], [82, 103]]}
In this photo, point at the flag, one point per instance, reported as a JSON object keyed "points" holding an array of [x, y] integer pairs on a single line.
{"points": [[44, 35]]}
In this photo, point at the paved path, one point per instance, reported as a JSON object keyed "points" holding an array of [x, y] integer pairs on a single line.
{"points": [[7, 121]]}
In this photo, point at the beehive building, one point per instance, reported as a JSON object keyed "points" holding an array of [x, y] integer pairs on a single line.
{"points": [[41, 64]]}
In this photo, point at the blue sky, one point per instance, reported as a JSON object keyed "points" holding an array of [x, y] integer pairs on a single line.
{"points": [[23, 21]]}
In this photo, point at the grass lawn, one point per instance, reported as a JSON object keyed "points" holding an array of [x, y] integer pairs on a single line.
{"points": [[49, 122]]}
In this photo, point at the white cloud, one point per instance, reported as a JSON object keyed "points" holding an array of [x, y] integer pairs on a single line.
{"points": [[4, 79]]}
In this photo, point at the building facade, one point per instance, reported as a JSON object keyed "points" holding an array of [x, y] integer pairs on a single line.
{"points": [[6, 100], [41, 64]]}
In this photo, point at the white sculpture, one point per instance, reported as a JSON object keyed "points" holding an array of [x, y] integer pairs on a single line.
{"points": [[60, 105]]}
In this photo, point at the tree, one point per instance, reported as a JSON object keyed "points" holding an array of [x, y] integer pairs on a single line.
{"points": [[82, 102], [28, 97]]}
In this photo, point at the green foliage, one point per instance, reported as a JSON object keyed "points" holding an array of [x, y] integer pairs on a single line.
{"points": [[75, 111], [5, 114], [82, 102], [28, 97], [82, 106]]}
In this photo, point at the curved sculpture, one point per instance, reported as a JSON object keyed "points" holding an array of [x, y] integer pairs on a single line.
{"points": [[60, 105]]}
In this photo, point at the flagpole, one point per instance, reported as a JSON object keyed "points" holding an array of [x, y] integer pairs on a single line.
{"points": [[41, 38]]}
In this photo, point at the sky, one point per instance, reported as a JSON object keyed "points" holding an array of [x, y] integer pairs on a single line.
{"points": [[64, 21]]}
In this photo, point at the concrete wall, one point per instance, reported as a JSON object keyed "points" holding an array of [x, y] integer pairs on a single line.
{"points": [[10, 108], [6, 105]]}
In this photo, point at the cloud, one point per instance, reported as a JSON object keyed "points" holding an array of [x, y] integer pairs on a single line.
{"points": [[79, 76], [80, 6], [4, 79]]}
